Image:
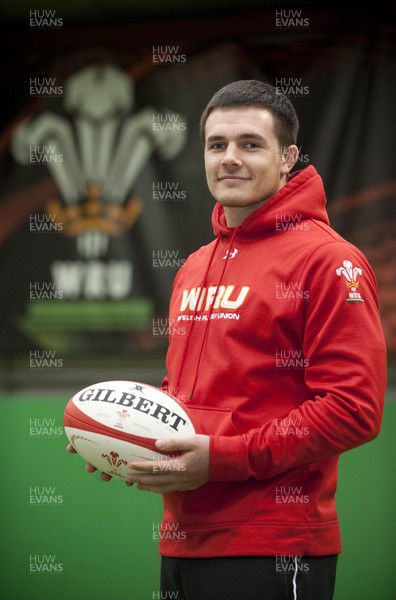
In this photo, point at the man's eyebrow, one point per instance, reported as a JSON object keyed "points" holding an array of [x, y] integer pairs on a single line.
{"points": [[215, 138], [243, 136], [251, 136]]}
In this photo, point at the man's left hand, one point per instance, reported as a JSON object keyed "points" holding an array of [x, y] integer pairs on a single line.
{"points": [[188, 470]]}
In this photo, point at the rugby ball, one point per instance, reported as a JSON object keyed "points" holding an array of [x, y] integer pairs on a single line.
{"points": [[113, 423]]}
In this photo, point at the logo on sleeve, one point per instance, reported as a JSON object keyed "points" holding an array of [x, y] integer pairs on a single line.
{"points": [[350, 273]]}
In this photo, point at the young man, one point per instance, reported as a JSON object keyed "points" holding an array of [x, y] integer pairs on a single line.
{"points": [[282, 363]]}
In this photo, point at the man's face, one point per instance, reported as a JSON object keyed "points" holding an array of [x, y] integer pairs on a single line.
{"points": [[243, 159]]}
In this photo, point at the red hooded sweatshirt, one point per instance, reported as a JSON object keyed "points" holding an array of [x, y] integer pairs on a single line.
{"points": [[277, 349]]}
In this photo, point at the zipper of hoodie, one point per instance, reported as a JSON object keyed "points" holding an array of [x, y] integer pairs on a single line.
{"points": [[203, 286]]}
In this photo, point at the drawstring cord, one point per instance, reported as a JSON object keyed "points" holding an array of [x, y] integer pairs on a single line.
{"points": [[211, 310], [205, 277]]}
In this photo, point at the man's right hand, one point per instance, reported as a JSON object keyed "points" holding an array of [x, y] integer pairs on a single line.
{"points": [[89, 468]]}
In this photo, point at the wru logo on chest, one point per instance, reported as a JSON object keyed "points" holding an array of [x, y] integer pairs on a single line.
{"points": [[222, 296]]}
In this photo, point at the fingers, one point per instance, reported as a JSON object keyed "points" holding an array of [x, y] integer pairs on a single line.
{"points": [[171, 462], [166, 466], [157, 484], [163, 476], [90, 468], [175, 444], [184, 466]]}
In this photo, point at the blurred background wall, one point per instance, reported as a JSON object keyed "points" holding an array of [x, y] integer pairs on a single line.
{"points": [[103, 196], [102, 192]]}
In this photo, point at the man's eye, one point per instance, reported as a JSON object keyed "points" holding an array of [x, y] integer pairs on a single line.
{"points": [[217, 146], [251, 145]]}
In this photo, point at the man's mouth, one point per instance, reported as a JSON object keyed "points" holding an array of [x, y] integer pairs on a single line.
{"points": [[232, 177]]}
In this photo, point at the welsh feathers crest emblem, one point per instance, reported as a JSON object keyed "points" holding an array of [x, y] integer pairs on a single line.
{"points": [[115, 462], [95, 150], [351, 273], [122, 416]]}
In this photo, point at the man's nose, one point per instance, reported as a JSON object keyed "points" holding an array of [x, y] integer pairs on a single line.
{"points": [[231, 156]]}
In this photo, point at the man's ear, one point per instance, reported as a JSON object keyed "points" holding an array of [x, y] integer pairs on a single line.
{"points": [[289, 158]]}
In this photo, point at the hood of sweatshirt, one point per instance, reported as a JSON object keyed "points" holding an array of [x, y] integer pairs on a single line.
{"points": [[302, 197]]}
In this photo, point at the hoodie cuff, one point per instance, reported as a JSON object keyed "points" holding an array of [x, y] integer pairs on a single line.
{"points": [[227, 458]]}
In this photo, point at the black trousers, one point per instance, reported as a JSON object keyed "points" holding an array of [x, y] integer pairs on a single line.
{"points": [[249, 578]]}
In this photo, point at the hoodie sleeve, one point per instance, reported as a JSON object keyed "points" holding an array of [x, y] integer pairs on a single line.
{"points": [[342, 339]]}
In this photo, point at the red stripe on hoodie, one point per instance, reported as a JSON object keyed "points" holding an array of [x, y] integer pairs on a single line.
{"points": [[282, 346]]}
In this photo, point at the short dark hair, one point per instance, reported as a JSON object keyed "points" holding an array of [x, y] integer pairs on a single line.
{"points": [[258, 94]]}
